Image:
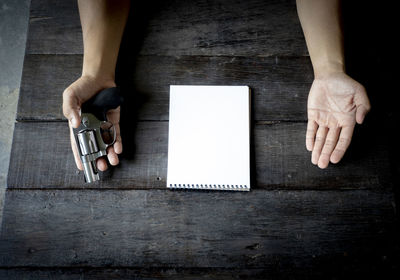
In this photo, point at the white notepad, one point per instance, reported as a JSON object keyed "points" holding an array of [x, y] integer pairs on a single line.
{"points": [[209, 138]]}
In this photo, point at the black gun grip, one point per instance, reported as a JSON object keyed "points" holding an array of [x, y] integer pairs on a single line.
{"points": [[105, 100]]}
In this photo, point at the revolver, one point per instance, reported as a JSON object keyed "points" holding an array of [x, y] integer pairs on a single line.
{"points": [[95, 134]]}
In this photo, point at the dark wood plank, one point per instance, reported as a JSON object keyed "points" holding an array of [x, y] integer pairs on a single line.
{"points": [[156, 228], [346, 268], [196, 27], [44, 79], [132, 273], [54, 27], [279, 85], [41, 158], [52, 164], [148, 273]]}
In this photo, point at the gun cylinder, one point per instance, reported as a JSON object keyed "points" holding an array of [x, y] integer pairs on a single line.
{"points": [[87, 142], [88, 145]]}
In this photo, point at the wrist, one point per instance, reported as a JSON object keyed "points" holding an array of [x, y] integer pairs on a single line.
{"points": [[98, 75], [322, 69], [98, 68], [102, 81]]}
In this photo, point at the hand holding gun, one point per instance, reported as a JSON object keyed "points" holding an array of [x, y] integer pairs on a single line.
{"points": [[95, 134]]}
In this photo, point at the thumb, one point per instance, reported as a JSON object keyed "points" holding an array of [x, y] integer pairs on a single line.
{"points": [[362, 104], [71, 108], [361, 113]]}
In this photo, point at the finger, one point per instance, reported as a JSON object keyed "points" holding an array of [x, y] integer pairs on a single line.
{"points": [[101, 164], [113, 116], [319, 143], [360, 114], [312, 127], [118, 141], [71, 108], [112, 156], [343, 143], [363, 105], [78, 161], [329, 146]]}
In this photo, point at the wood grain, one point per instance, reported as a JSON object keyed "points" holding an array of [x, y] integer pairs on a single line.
{"points": [[172, 27], [153, 273], [297, 222], [156, 228], [341, 268], [279, 85], [41, 158]]}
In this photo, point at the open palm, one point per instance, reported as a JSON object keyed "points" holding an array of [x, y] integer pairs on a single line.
{"points": [[335, 103]]}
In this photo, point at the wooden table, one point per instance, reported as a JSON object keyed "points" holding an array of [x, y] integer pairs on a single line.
{"points": [[297, 222]]}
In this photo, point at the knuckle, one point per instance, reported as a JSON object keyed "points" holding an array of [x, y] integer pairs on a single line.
{"points": [[329, 143], [325, 154], [65, 112], [310, 131], [339, 151], [344, 141], [68, 92]]}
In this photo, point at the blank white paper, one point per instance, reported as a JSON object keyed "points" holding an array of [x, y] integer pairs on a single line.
{"points": [[209, 137]]}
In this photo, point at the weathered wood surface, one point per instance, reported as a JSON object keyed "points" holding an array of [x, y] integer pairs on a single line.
{"points": [[340, 268], [156, 273], [279, 85], [142, 228], [297, 222], [143, 273], [42, 158], [159, 273], [173, 27]]}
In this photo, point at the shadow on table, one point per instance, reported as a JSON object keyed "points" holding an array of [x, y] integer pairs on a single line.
{"points": [[135, 32], [370, 32]]}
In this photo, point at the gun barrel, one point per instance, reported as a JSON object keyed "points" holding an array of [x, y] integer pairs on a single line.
{"points": [[91, 174]]}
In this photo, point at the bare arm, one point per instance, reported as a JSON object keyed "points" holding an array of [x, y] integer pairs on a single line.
{"points": [[103, 23], [336, 101], [320, 20]]}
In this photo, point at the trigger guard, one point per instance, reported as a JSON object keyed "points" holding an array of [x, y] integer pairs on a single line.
{"points": [[114, 136]]}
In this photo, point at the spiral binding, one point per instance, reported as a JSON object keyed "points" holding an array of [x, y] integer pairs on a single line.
{"points": [[210, 186]]}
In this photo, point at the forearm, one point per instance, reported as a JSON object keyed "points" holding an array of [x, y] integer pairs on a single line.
{"points": [[320, 20], [103, 23]]}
